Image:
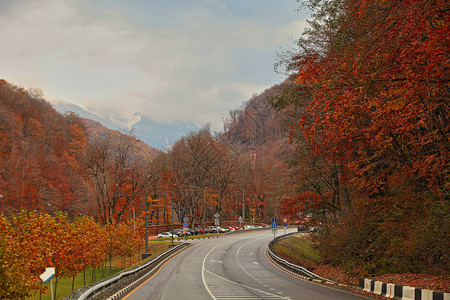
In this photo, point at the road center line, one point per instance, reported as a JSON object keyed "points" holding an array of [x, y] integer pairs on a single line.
{"points": [[245, 286], [203, 273]]}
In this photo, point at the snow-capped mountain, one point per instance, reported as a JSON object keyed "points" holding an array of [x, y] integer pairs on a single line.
{"points": [[159, 135], [154, 134], [65, 107]]}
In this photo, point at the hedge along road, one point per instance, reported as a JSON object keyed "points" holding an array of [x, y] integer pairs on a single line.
{"points": [[231, 267]]}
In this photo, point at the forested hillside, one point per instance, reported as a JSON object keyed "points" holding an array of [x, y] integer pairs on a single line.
{"points": [[45, 162], [368, 107], [141, 150], [254, 123]]}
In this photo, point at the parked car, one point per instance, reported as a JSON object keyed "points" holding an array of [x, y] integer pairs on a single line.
{"points": [[223, 230], [212, 229], [194, 230], [166, 234], [181, 232]]}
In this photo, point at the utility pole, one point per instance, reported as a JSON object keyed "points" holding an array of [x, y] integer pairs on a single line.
{"points": [[145, 255], [204, 207], [243, 204], [146, 224], [3, 205], [235, 211], [171, 203]]}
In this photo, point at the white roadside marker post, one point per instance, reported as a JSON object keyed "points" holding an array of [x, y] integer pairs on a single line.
{"points": [[47, 276]]}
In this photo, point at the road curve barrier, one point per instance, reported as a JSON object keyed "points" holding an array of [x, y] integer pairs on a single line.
{"points": [[390, 290], [110, 287], [293, 268], [255, 229]]}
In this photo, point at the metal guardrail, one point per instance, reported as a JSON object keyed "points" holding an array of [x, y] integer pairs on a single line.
{"points": [[108, 287], [293, 268], [253, 230]]}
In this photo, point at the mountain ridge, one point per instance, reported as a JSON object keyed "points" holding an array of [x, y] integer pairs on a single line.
{"points": [[155, 134]]}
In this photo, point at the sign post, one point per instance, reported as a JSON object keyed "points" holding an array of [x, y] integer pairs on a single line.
{"points": [[47, 276], [274, 226], [285, 225], [240, 221], [216, 221], [185, 225]]}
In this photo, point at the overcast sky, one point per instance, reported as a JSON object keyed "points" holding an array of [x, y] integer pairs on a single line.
{"points": [[171, 60]]}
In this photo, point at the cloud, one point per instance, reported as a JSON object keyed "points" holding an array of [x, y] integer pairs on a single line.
{"points": [[175, 61]]}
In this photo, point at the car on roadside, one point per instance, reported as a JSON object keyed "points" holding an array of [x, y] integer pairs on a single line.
{"points": [[166, 235], [181, 232], [194, 230], [223, 230], [213, 229], [210, 229]]}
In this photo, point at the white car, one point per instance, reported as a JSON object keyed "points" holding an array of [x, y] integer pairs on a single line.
{"points": [[166, 234]]}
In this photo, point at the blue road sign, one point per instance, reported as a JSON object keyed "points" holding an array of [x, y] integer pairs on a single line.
{"points": [[285, 224], [185, 224], [274, 222]]}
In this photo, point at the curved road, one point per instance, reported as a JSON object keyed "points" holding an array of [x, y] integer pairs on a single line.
{"points": [[230, 267]]}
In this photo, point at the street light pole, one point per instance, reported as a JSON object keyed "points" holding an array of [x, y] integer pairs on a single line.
{"points": [[146, 225], [146, 217], [204, 208], [171, 201], [235, 211], [243, 204], [3, 200]]}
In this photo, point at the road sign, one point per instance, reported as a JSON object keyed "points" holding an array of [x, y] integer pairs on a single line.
{"points": [[216, 220], [240, 219], [185, 224], [186, 219], [285, 224], [47, 275], [274, 222]]}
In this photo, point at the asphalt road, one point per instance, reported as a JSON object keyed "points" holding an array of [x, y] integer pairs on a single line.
{"points": [[231, 267]]}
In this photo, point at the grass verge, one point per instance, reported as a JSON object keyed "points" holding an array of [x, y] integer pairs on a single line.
{"points": [[303, 252], [300, 250], [193, 237], [64, 287]]}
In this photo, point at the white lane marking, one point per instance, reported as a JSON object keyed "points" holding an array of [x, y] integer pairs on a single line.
{"points": [[247, 287], [203, 273], [269, 295], [219, 261]]}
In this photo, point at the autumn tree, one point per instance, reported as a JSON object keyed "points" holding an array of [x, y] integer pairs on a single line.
{"points": [[373, 81], [194, 161], [39, 167], [115, 177]]}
